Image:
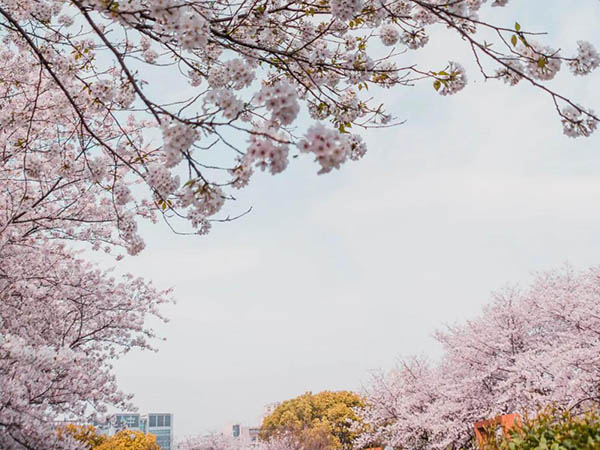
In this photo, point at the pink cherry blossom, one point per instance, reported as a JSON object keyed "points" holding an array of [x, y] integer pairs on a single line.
{"points": [[529, 348]]}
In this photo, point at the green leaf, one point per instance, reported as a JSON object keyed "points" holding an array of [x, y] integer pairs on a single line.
{"points": [[517, 26], [437, 84], [514, 40], [542, 62]]}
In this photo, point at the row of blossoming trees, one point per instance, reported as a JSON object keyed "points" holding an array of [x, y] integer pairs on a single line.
{"points": [[257, 82], [529, 350]]}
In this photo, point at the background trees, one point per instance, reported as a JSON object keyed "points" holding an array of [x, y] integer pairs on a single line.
{"points": [[553, 429], [87, 436], [528, 349], [62, 322], [130, 440], [324, 420], [210, 442]]}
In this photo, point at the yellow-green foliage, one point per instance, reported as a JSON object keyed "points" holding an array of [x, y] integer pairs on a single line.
{"points": [[83, 433], [130, 440], [123, 440], [316, 415], [554, 430]]}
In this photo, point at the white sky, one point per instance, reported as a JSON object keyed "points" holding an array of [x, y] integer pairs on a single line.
{"points": [[333, 276]]}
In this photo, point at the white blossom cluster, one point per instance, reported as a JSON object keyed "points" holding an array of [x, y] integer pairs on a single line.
{"points": [[161, 179], [65, 20], [177, 138], [415, 39], [358, 147], [121, 194], [349, 42], [125, 96], [576, 123], [240, 73], [423, 16], [218, 77], [230, 105], [542, 61], [345, 10], [207, 199], [103, 90], [319, 111], [192, 30], [282, 100], [236, 72], [148, 54], [455, 81], [331, 148], [203, 201], [34, 168], [511, 73], [389, 35], [267, 149], [199, 221], [399, 8], [320, 53], [361, 67], [195, 77], [587, 59], [128, 228], [348, 107], [241, 173], [97, 169]]}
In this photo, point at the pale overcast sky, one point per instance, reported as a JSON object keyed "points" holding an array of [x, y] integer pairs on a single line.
{"points": [[331, 277]]}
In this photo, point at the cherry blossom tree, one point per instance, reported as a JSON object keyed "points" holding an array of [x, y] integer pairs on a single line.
{"points": [[530, 348], [62, 322], [213, 441], [254, 83], [287, 441]]}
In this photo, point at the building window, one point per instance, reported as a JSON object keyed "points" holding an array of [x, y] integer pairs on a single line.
{"points": [[236, 431], [168, 420], [161, 421], [152, 421]]}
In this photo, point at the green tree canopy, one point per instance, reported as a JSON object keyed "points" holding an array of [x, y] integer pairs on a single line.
{"points": [[83, 433], [130, 440], [123, 440], [328, 415], [553, 429]]}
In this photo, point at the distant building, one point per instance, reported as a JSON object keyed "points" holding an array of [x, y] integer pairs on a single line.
{"points": [[241, 432], [120, 421], [161, 425], [248, 434], [130, 421], [269, 408], [158, 424], [253, 434]]}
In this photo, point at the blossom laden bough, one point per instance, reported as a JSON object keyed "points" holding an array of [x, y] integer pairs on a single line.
{"points": [[243, 72]]}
